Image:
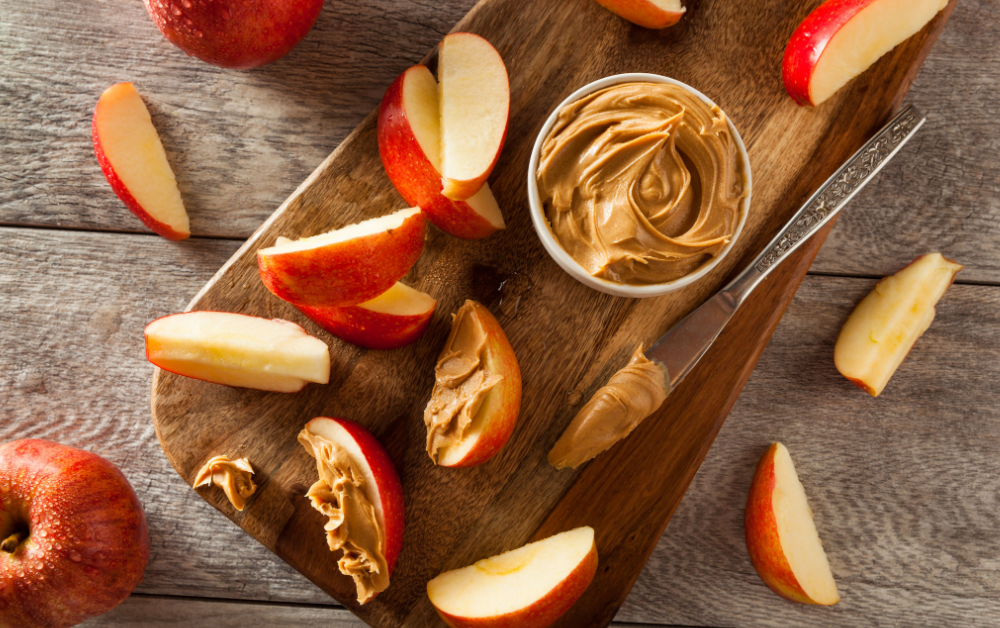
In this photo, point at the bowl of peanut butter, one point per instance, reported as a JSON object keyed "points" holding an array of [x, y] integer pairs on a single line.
{"points": [[639, 185]]}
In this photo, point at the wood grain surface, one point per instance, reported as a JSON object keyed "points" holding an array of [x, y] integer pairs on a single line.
{"points": [[457, 517], [71, 367]]}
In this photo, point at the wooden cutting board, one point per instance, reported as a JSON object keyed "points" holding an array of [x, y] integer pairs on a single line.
{"points": [[568, 339]]}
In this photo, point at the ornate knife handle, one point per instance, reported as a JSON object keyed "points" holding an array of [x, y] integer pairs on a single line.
{"points": [[830, 198]]}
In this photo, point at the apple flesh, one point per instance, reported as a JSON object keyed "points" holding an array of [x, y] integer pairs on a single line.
{"points": [[382, 486], [840, 39], [409, 142], [494, 423], [475, 108], [134, 162], [73, 535], [646, 13], [238, 350], [397, 317], [238, 34], [781, 535], [529, 587], [883, 328], [346, 266]]}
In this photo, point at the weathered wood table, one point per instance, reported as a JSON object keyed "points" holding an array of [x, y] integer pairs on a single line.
{"points": [[905, 488]]}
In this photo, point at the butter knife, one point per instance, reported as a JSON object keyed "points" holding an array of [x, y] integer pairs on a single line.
{"points": [[680, 348]]}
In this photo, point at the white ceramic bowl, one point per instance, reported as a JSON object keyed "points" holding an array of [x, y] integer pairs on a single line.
{"points": [[563, 258]]}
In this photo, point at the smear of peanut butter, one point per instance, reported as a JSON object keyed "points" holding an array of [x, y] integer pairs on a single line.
{"points": [[232, 476], [632, 394], [642, 183], [353, 525], [461, 383]]}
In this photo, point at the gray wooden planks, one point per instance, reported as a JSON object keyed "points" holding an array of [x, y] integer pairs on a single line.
{"points": [[241, 142], [143, 611], [904, 487]]}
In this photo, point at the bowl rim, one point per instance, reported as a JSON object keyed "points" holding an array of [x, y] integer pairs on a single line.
{"points": [[570, 265]]}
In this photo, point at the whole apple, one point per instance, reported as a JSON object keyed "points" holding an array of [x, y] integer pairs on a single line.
{"points": [[238, 34], [73, 536]]}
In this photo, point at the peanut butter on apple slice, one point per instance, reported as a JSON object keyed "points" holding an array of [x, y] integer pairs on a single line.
{"points": [[352, 525], [232, 476], [461, 383], [631, 395]]}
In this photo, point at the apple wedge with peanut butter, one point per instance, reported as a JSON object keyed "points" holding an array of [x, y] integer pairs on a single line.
{"points": [[477, 391]]}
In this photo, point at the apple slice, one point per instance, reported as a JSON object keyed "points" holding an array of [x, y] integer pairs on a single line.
{"points": [[781, 536], [529, 587], [346, 266], [646, 13], [238, 350], [379, 484], [409, 142], [883, 328], [134, 162], [397, 317], [840, 39], [475, 107], [477, 391]]}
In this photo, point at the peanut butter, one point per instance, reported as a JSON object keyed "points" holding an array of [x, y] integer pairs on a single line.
{"points": [[642, 183], [232, 476], [632, 394], [353, 525], [461, 383]]}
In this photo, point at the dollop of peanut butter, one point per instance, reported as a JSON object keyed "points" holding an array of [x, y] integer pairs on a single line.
{"points": [[353, 525], [232, 476], [461, 382], [642, 183], [631, 395]]}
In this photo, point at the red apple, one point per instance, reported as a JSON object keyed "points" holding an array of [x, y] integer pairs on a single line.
{"points": [[237, 34], [73, 536], [346, 266], [493, 415], [529, 587], [397, 317], [883, 328], [238, 350], [781, 536], [646, 13], [382, 487], [134, 162], [475, 109], [409, 141], [840, 39]]}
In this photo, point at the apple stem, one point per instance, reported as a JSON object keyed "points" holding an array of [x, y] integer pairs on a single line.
{"points": [[11, 542]]}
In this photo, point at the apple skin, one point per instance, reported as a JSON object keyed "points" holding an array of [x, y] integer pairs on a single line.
{"points": [[235, 34], [160, 228], [412, 173], [86, 529], [761, 530], [808, 42], [348, 272], [503, 403], [642, 13], [390, 489], [543, 612], [368, 329]]}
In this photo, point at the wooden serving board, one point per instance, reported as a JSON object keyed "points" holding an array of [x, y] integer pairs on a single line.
{"points": [[568, 339]]}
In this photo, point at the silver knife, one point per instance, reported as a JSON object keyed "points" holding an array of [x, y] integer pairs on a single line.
{"points": [[680, 348]]}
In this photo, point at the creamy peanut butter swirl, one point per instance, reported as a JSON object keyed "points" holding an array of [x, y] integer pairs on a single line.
{"points": [[353, 525], [234, 477], [641, 182], [461, 383], [631, 395]]}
